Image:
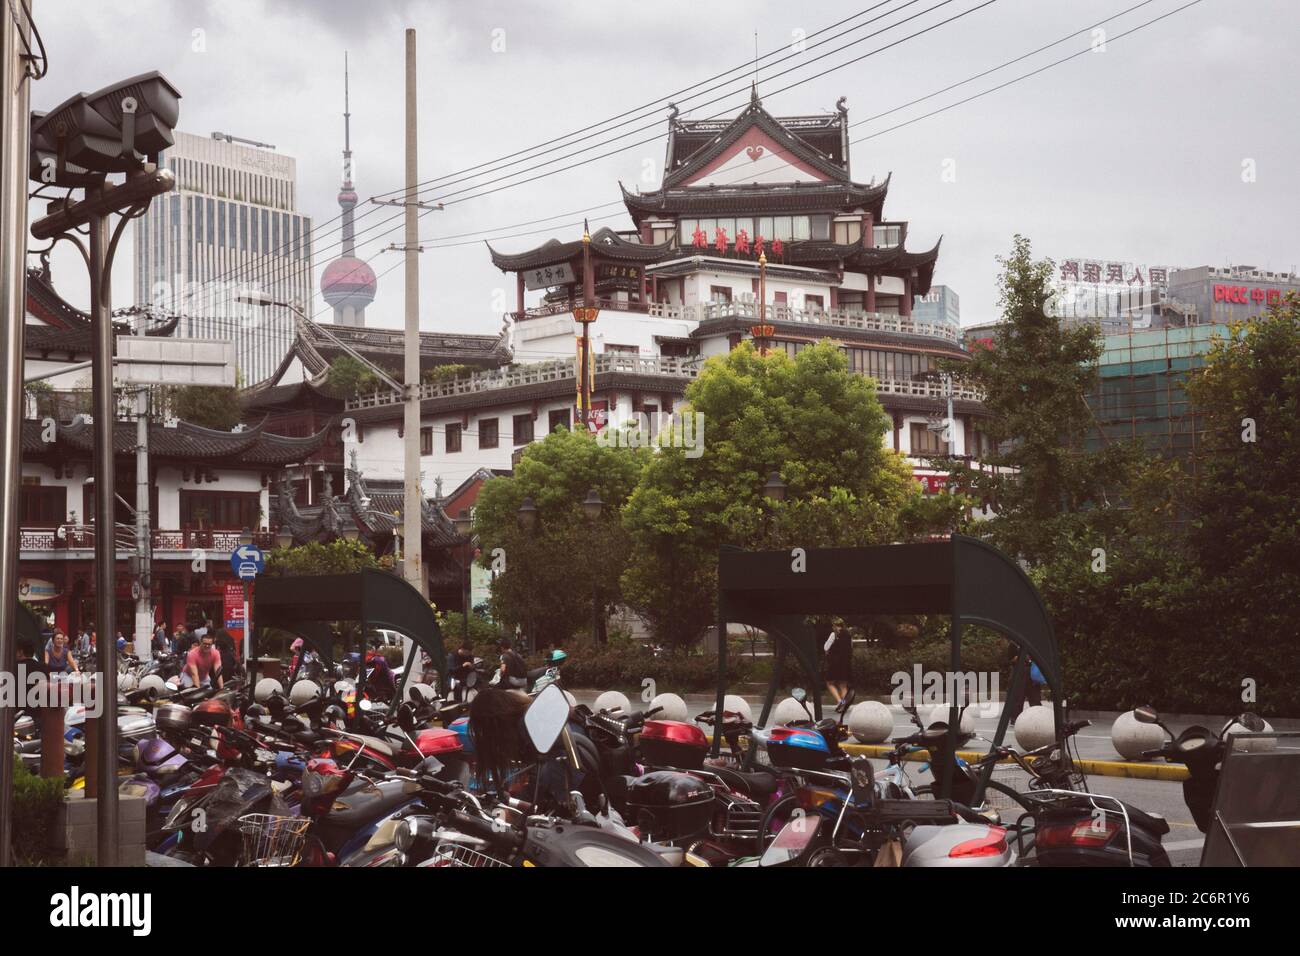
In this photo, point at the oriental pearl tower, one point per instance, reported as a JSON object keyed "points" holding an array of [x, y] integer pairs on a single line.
{"points": [[348, 284]]}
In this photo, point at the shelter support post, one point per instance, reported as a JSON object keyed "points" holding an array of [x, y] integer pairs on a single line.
{"points": [[716, 748], [1018, 677]]}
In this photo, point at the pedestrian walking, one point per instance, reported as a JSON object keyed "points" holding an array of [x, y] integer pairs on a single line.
{"points": [[838, 651]]}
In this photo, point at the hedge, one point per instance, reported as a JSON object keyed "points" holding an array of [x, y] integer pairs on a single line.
{"points": [[36, 804]]}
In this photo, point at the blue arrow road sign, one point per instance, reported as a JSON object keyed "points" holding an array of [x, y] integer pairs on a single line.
{"points": [[247, 562]]}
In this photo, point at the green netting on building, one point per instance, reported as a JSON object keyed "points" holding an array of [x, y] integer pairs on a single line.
{"points": [[1142, 392]]}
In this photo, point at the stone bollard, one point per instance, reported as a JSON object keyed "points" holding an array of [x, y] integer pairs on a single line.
{"points": [[871, 722], [1131, 739], [612, 700], [788, 710]]}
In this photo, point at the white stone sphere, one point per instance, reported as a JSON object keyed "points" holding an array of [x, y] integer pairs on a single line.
{"points": [[738, 705], [938, 714], [1035, 727], [788, 710], [674, 708], [303, 691], [871, 722], [155, 683], [266, 687], [1132, 738], [1253, 745], [612, 700]]}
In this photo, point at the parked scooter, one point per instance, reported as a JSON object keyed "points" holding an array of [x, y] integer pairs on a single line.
{"points": [[1202, 751]]}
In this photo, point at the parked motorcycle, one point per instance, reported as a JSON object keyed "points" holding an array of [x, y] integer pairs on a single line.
{"points": [[1202, 751]]}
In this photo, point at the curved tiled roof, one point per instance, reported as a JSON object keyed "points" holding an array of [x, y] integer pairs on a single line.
{"points": [[185, 442], [756, 199], [605, 244], [753, 116]]}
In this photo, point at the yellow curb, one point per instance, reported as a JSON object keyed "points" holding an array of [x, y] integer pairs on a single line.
{"points": [[1101, 768]]}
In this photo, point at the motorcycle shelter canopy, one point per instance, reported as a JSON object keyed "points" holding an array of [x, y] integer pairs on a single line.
{"points": [[963, 577], [371, 597]]}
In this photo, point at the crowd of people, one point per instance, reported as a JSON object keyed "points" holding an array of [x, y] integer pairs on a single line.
{"points": [[206, 654]]}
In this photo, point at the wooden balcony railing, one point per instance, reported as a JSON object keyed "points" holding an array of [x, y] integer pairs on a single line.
{"points": [[82, 538]]}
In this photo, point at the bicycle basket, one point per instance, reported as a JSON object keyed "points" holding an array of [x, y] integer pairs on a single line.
{"points": [[456, 854], [271, 840]]}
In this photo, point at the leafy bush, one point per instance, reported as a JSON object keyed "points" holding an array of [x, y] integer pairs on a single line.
{"points": [[36, 803], [625, 664]]}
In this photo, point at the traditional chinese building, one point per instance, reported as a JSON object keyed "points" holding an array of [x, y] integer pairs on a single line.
{"points": [[759, 230]]}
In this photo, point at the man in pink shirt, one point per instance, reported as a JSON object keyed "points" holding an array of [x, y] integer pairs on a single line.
{"points": [[203, 664]]}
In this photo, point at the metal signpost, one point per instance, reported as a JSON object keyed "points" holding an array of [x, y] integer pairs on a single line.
{"points": [[247, 561]]}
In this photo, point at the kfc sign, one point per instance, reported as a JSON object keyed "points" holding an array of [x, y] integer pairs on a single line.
{"points": [[1247, 295]]}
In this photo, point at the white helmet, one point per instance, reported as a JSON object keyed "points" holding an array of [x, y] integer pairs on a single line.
{"points": [[266, 687], [155, 683], [304, 691]]}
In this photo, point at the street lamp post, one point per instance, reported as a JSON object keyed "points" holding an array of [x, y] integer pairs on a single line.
{"points": [[245, 539], [122, 128]]}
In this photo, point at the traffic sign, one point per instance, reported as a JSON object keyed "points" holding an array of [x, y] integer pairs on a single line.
{"points": [[247, 561]]}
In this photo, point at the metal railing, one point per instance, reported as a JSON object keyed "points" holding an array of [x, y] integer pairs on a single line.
{"points": [[772, 312], [68, 537], [535, 373]]}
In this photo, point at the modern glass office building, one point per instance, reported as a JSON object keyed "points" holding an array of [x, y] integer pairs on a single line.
{"points": [[1142, 392], [229, 227]]}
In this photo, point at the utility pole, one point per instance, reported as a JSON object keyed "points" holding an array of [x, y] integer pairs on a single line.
{"points": [[412, 522], [413, 498], [15, 132]]}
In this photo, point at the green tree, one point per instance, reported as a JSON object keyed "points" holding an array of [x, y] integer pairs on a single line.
{"points": [[820, 427], [546, 585], [211, 406], [340, 556], [348, 378], [1245, 528], [1045, 486]]}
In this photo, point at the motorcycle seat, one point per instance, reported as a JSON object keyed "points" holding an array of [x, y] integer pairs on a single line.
{"points": [[1147, 821], [758, 785]]}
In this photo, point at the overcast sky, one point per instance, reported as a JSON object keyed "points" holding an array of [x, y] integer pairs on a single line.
{"points": [[1174, 146]]}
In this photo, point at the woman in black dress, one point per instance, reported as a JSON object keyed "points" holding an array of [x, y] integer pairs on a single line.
{"points": [[838, 650]]}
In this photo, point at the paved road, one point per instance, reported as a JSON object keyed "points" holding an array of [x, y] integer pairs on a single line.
{"points": [[1183, 843]]}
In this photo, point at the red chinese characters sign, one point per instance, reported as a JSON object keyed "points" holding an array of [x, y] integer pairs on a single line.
{"points": [[234, 610], [1247, 295]]}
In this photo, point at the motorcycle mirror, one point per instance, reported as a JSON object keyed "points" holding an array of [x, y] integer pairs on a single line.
{"points": [[365, 703], [545, 718], [1252, 722], [799, 694], [1146, 714], [431, 766], [406, 718]]}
